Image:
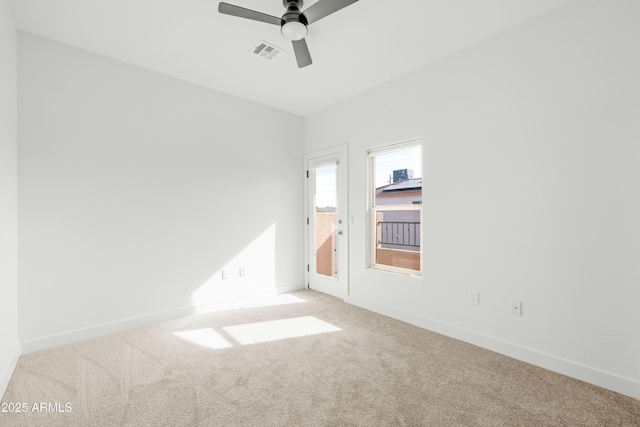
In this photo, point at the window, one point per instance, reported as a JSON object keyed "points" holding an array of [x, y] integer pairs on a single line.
{"points": [[396, 207]]}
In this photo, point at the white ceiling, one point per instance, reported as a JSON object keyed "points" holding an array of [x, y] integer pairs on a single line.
{"points": [[357, 48]]}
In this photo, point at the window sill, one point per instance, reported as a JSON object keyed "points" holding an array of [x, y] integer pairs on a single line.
{"points": [[396, 270]]}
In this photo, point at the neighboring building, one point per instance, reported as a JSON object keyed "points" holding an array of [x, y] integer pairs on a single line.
{"points": [[325, 230], [400, 229], [404, 192]]}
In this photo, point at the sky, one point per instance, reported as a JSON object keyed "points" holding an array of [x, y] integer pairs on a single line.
{"points": [[385, 164], [326, 186]]}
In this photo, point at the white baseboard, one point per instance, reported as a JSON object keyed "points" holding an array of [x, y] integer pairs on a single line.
{"points": [[622, 385], [7, 370], [70, 337]]}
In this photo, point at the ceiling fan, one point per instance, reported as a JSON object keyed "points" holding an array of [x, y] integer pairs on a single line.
{"points": [[293, 24]]}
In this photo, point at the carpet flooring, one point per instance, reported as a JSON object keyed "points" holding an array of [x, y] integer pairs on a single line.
{"points": [[301, 359]]}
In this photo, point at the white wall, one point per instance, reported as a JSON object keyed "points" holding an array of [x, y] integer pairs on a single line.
{"points": [[531, 191], [9, 347], [136, 189]]}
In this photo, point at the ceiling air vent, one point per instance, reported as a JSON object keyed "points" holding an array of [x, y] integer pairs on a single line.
{"points": [[266, 50]]}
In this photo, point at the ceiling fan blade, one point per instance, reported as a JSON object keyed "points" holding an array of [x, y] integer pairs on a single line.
{"points": [[303, 57], [241, 12], [325, 8]]}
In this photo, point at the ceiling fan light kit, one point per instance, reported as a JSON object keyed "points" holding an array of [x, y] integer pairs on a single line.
{"points": [[293, 24], [294, 31]]}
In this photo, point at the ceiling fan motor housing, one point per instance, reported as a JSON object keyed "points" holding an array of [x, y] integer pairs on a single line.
{"points": [[287, 3], [293, 25], [293, 12]]}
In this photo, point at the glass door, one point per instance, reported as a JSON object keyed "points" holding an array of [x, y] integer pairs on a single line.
{"points": [[325, 219], [327, 228]]}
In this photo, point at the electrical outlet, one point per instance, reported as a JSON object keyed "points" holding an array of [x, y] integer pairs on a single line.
{"points": [[242, 271], [516, 307], [225, 274], [474, 297]]}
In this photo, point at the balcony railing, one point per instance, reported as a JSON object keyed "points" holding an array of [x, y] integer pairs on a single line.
{"points": [[396, 234]]}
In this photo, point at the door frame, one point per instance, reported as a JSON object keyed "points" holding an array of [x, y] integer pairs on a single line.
{"points": [[342, 153]]}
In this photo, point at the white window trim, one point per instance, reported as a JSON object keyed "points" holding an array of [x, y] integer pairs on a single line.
{"points": [[373, 209]]}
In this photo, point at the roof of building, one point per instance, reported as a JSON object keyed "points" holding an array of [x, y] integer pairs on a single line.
{"points": [[407, 184]]}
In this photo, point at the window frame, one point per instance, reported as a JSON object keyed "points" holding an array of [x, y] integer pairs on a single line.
{"points": [[374, 209]]}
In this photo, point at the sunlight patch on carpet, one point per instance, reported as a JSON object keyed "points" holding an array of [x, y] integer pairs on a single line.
{"points": [[274, 330]]}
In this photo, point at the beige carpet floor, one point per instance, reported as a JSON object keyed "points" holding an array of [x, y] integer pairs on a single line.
{"points": [[314, 361]]}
